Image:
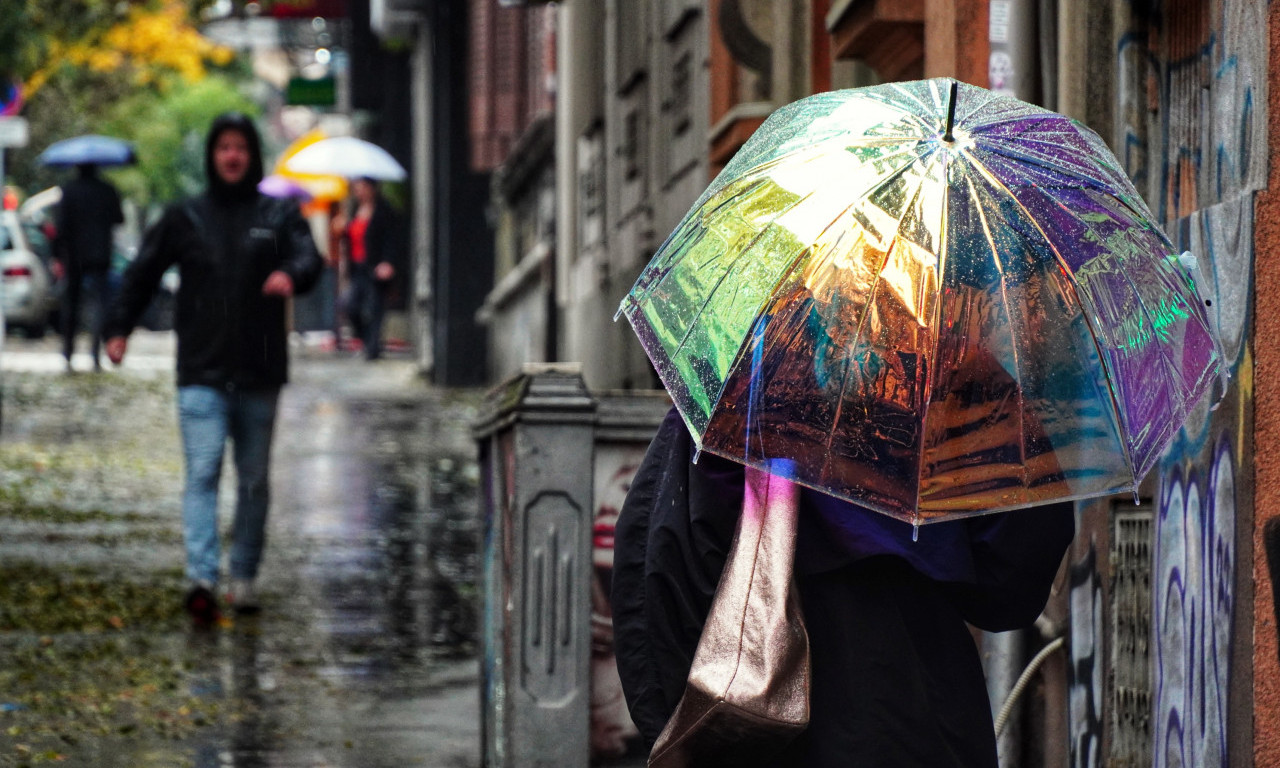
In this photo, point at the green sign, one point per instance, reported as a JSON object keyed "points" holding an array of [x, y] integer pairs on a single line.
{"points": [[310, 93]]}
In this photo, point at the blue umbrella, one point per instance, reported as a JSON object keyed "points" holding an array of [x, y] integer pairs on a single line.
{"points": [[90, 149]]}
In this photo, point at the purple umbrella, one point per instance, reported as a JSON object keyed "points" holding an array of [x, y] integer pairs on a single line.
{"points": [[276, 185]]}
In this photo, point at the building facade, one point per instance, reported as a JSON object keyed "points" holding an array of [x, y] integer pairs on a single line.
{"points": [[411, 94], [1159, 644], [512, 82]]}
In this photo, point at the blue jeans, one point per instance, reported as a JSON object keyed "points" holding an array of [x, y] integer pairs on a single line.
{"points": [[207, 417]]}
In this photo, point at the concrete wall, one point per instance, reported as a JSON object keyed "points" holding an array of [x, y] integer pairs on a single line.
{"points": [[631, 139]]}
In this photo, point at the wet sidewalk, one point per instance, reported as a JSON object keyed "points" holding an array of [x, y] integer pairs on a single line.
{"points": [[364, 654]]}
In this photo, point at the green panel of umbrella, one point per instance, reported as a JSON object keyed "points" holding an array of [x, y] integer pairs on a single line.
{"points": [[931, 299]]}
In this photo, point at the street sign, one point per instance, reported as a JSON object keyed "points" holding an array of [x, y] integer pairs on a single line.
{"points": [[14, 131], [321, 92]]}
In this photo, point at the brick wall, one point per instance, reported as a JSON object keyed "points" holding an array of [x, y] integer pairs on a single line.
{"points": [[511, 73]]}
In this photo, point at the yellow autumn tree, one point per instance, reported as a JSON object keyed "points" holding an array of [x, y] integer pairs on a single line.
{"points": [[153, 45], [118, 67]]}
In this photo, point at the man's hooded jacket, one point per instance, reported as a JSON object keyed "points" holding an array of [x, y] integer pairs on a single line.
{"points": [[224, 242]]}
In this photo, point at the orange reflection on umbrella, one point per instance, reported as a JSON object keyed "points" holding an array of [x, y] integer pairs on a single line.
{"points": [[324, 188]]}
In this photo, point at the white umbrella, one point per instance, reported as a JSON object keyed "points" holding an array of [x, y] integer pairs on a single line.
{"points": [[346, 156]]}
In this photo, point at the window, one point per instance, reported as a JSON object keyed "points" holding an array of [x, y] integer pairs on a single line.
{"points": [[1130, 689]]}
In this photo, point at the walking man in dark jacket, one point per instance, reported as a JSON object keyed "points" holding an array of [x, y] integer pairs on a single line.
{"points": [[90, 207], [240, 255]]}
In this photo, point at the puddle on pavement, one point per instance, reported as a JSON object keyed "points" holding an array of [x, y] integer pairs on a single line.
{"points": [[397, 587], [368, 585]]}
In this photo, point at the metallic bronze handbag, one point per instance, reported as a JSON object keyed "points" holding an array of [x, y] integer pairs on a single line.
{"points": [[748, 691]]}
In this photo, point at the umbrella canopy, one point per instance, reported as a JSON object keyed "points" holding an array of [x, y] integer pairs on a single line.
{"points": [[324, 189], [90, 149], [936, 300], [276, 185], [346, 156]]}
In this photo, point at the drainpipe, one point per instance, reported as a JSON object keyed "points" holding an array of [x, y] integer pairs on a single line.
{"points": [[1013, 69], [1003, 654], [422, 303], [569, 16]]}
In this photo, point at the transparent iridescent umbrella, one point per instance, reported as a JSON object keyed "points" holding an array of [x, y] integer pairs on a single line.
{"points": [[935, 300]]}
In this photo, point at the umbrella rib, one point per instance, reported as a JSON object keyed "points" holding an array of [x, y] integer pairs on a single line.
{"points": [[1028, 158], [782, 275], [933, 355], [1017, 358], [987, 98], [1165, 358], [740, 355], [795, 333], [720, 281], [785, 273], [862, 320], [1025, 118], [1075, 295]]}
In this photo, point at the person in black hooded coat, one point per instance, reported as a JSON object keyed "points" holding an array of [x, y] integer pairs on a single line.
{"points": [[896, 677], [89, 210], [240, 255]]}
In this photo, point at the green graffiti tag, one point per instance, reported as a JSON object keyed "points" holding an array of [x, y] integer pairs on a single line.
{"points": [[1134, 332]]}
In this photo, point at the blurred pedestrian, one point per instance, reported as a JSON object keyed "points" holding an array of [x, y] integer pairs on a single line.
{"points": [[89, 209], [240, 256], [896, 675], [371, 243]]}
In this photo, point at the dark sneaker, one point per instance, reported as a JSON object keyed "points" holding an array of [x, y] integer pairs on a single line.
{"points": [[202, 606]]}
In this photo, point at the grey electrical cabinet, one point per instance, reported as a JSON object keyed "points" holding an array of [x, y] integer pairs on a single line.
{"points": [[534, 437]]}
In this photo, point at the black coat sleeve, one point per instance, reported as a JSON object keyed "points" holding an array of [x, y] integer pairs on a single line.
{"points": [[302, 260], [382, 238], [138, 285], [1016, 556]]}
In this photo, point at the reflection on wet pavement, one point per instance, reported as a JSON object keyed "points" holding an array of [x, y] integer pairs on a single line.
{"points": [[364, 654], [388, 547]]}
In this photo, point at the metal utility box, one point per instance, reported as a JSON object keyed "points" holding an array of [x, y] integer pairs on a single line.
{"points": [[535, 444], [556, 463]]}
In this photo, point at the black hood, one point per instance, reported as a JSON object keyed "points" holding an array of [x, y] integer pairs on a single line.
{"points": [[248, 186]]}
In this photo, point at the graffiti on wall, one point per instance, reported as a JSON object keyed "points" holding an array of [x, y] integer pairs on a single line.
{"points": [[1190, 123], [1191, 131], [613, 734], [1195, 562], [1194, 596], [1087, 662], [1194, 570]]}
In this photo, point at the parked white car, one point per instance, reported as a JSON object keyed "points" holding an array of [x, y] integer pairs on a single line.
{"points": [[26, 288]]}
